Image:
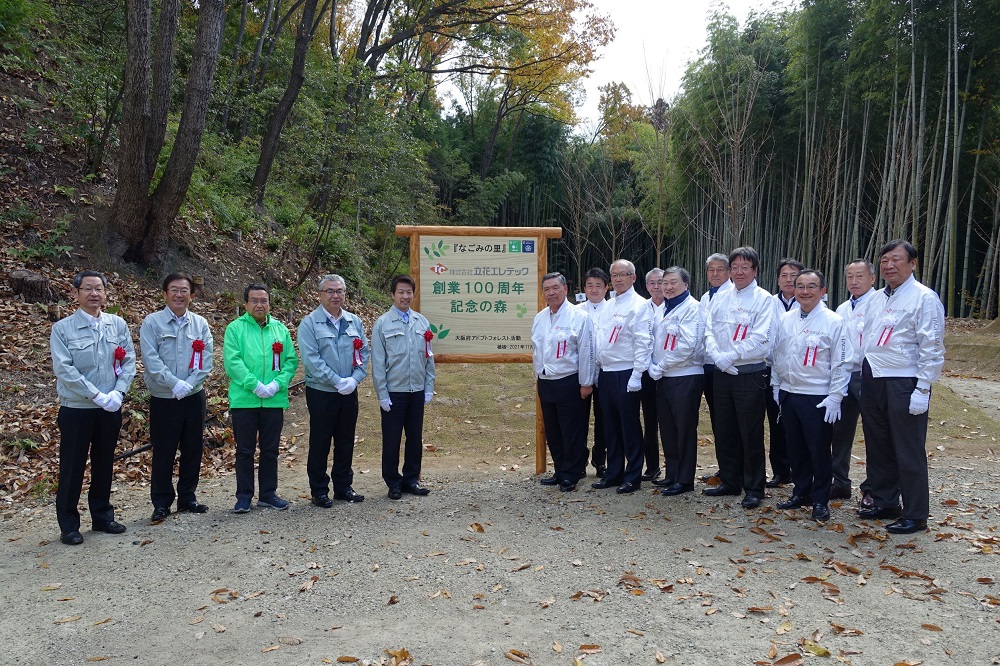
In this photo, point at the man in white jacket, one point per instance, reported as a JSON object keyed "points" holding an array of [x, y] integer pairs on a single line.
{"points": [[624, 341], [738, 336], [717, 274], [677, 367], [860, 278], [595, 285], [562, 337], [903, 351], [812, 358]]}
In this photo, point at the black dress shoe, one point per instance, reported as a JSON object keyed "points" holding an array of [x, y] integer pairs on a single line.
{"points": [[73, 538], [662, 483], [601, 469], [191, 507], [866, 501], [720, 490], [677, 489], [567, 486], [550, 481], [604, 483], [395, 494], [794, 502], [906, 526], [322, 501], [416, 489], [879, 512], [750, 501], [650, 475], [840, 492], [350, 496], [111, 527], [778, 481], [821, 513], [627, 488], [159, 514]]}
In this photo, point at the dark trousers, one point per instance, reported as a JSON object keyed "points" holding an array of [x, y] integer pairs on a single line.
{"points": [[809, 438], [844, 432], [678, 400], [406, 415], [651, 443], [84, 432], [895, 441], [332, 416], [176, 425], [251, 424], [599, 454], [777, 446], [622, 431], [739, 437], [564, 417]]}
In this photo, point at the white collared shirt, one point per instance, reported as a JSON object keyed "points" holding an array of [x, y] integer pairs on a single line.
{"points": [[705, 304], [740, 321], [904, 333], [812, 354], [679, 342], [563, 343], [855, 318], [624, 333]]}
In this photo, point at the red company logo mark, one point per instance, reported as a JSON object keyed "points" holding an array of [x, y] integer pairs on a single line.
{"points": [[438, 268]]}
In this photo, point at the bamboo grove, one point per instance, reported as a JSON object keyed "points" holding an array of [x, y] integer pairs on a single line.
{"points": [[816, 132]]}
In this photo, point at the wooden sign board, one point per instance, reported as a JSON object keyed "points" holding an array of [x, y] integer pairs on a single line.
{"points": [[479, 288]]}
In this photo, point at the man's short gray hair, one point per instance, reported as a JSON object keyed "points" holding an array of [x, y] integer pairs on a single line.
{"points": [[718, 256], [685, 276], [654, 272], [554, 276], [868, 264], [329, 277], [631, 266]]}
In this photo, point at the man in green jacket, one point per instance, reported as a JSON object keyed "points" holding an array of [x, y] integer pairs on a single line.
{"points": [[260, 363]]}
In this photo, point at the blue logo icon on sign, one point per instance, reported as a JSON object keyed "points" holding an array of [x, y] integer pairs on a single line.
{"points": [[527, 246]]}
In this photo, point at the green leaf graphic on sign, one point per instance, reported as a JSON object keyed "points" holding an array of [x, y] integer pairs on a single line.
{"points": [[444, 334], [521, 310], [434, 329]]}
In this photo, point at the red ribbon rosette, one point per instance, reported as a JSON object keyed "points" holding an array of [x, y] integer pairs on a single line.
{"points": [[119, 357], [277, 348], [197, 347], [428, 336], [358, 344]]}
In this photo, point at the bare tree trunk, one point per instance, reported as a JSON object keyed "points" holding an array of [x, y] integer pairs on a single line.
{"points": [[163, 80], [269, 142], [126, 220]]}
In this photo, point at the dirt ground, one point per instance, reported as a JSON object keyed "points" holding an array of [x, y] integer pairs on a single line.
{"points": [[492, 568]]}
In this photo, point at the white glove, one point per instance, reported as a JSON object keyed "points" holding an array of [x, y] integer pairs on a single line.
{"points": [[725, 363], [181, 389], [832, 405], [114, 401], [635, 382], [347, 385], [261, 391], [101, 400], [919, 402], [428, 396], [272, 388], [386, 404], [776, 392], [655, 372]]}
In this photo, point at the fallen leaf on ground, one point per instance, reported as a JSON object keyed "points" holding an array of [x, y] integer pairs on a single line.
{"points": [[67, 619]]}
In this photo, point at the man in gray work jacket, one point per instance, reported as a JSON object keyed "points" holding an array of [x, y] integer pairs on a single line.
{"points": [[176, 349], [93, 359], [335, 355], [403, 374]]}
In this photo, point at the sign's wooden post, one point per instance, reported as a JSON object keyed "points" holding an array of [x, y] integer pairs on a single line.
{"points": [[475, 286]]}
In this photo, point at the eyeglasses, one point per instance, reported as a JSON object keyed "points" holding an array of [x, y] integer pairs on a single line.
{"points": [[334, 292], [92, 290], [621, 275], [174, 291], [258, 301]]}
